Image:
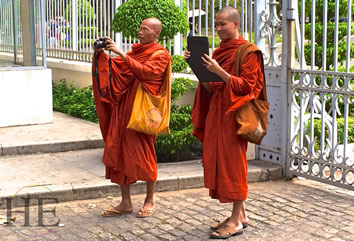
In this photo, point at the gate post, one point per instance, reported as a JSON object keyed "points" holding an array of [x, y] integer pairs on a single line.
{"points": [[288, 56]]}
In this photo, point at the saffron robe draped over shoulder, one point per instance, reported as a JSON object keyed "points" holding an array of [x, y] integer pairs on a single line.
{"points": [[128, 155], [224, 152]]}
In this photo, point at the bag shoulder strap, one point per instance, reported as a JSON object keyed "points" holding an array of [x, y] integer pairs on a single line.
{"points": [[158, 52], [240, 55]]}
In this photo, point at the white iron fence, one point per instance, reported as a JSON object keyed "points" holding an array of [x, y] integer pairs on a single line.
{"points": [[73, 25]]}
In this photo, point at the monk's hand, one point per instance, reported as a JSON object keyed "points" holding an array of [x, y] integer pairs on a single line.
{"points": [[187, 54], [111, 46], [211, 64], [214, 67]]}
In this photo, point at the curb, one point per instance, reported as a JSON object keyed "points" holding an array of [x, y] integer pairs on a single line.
{"points": [[51, 147], [258, 172]]}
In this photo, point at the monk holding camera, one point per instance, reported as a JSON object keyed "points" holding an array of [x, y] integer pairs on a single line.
{"points": [[129, 155]]}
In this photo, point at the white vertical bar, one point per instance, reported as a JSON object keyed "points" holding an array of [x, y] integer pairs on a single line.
{"points": [[177, 43], [212, 25], [243, 17], [206, 18], [200, 19], [336, 19], [14, 31], [193, 18], [302, 60], [119, 38], [251, 18], [324, 42], [349, 21], [44, 51], [74, 28], [313, 39]]}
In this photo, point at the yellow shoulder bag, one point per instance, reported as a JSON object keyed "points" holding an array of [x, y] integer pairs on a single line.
{"points": [[151, 113]]}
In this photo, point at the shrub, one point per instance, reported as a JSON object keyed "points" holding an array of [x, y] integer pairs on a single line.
{"points": [[178, 145], [84, 10], [340, 131], [130, 14], [74, 102], [178, 64]]}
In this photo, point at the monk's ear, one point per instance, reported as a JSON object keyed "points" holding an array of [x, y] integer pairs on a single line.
{"points": [[158, 32], [237, 24]]}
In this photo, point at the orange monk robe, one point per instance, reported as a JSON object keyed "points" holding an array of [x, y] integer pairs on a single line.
{"points": [[128, 155], [224, 152]]}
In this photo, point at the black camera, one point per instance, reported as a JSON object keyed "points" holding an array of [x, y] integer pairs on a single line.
{"points": [[100, 43]]}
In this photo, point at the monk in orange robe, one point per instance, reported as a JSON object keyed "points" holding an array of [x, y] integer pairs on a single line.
{"points": [[224, 152], [129, 155]]}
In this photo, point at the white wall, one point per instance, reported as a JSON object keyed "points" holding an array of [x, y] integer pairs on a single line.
{"points": [[25, 96]]}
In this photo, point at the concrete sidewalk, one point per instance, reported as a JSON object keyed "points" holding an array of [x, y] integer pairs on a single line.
{"points": [[69, 164]]}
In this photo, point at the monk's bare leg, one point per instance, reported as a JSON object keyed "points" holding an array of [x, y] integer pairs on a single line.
{"points": [[150, 190], [149, 206], [124, 207], [126, 203], [243, 217]]}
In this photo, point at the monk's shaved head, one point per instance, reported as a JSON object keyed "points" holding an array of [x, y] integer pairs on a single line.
{"points": [[232, 13], [149, 31], [153, 23]]}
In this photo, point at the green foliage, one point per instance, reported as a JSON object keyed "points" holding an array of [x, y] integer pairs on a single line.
{"points": [[340, 131], [130, 14], [343, 4], [342, 31], [179, 87], [174, 147], [74, 102], [342, 45], [178, 64], [84, 10]]}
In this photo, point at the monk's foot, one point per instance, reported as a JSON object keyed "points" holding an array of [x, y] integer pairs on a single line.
{"points": [[116, 211], [219, 224], [147, 210]]}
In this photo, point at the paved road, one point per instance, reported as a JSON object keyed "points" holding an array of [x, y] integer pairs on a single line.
{"points": [[294, 210]]}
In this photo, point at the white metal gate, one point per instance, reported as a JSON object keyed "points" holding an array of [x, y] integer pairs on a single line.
{"points": [[321, 97]]}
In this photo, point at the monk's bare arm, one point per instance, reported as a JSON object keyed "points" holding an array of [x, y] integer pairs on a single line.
{"points": [[152, 69]]}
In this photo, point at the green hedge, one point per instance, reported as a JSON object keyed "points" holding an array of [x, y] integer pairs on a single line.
{"points": [[74, 102], [340, 131]]}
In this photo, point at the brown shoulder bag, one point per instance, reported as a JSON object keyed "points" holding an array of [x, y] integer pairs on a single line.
{"points": [[252, 118]]}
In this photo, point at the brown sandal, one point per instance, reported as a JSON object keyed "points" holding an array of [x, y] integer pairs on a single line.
{"points": [[220, 224], [143, 213], [112, 212], [220, 234]]}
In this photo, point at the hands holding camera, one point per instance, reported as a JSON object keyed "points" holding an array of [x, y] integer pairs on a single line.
{"points": [[107, 44]]}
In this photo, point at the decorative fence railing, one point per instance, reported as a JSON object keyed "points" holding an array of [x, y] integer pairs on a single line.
{"points": [[73, 25]]}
